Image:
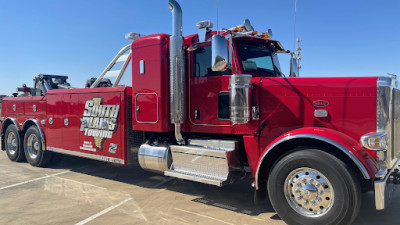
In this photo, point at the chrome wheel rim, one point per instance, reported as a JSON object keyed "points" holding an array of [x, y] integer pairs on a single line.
{"points": [[33, 146], [308, 192], [12, 143]]}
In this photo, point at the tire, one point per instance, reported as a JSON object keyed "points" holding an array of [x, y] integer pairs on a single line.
{"points": [[34, 152], [310, 186], [13, 147]]}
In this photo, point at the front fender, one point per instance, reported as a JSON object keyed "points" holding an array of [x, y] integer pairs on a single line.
{"points": [[347, 145]]}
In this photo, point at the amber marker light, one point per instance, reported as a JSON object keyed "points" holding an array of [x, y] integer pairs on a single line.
{"points": [[374, 141], [265, 35]]}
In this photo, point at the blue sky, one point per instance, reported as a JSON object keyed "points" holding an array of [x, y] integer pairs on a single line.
{"points": [[78, 38]]}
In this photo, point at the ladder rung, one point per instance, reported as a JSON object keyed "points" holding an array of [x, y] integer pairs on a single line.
{"points": [[112, 73], [122, 58]]}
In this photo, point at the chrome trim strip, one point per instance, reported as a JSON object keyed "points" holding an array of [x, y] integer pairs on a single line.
{"points": [[153, 93], [39, 128], [317, 137], [86, 155]]}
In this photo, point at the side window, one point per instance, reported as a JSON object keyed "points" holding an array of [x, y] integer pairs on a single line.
{"points": [[202, 63]]}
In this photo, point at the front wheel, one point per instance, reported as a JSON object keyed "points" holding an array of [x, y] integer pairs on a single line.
{"points": [[310, 186]]}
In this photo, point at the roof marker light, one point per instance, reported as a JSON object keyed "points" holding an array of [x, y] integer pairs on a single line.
{"points": [[133, 36], [265, 35], [204, 24]]}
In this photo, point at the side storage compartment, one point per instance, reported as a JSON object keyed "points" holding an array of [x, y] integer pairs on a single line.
{"points": [[96, 128]]}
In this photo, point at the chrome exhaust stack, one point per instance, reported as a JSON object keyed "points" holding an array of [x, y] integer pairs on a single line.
{"points": [[177, 71]]}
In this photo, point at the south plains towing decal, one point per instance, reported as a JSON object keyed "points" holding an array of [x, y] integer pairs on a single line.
{"points": [[99, 121]]}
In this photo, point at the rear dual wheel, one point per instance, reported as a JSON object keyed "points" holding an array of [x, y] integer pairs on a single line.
{"points": [[34, 152], [13, 146], [310, 186]]}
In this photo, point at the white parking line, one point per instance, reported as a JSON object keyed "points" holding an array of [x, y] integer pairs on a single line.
{"points": [[36, 179], [103, 212], [78, 182], [204, 216]]}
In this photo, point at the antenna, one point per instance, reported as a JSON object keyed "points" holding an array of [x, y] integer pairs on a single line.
{"points": [[216, 2], [294, 32]]}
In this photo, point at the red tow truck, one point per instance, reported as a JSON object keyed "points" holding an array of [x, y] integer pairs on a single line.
{"points": [[214, 107]]}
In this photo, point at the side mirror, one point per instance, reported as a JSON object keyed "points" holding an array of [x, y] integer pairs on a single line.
{"points": [[294, 70], [219, 53]]}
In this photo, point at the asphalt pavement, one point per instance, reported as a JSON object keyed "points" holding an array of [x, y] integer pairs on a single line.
{"points": [[83, 191]]}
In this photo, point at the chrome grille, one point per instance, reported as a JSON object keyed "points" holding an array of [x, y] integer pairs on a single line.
{"points": [[396, 124], [388, 119]]}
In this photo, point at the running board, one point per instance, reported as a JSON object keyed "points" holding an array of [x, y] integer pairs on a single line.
{"points": [[197, 178], [214, 162]]}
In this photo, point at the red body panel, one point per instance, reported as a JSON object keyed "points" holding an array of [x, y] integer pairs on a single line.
{"points": [[106, 105], [287, 104], [153, 51], [24, 109]]}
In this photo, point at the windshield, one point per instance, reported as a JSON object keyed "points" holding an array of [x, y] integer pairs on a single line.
{"points": [[257, 57]]}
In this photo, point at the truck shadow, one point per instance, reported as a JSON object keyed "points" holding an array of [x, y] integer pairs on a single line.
{"points": [[237, 197]]}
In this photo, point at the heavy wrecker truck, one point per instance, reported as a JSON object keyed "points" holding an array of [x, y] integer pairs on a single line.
{"points": [[214, 107]]}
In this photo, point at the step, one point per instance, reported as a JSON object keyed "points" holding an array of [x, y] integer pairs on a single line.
{"points": [[200, 151], [207, 161], [214, 144], [193, 177]]}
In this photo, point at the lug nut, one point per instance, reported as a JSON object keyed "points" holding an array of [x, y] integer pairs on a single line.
{"points": [[298, 184], [311, 180], [317, 185], [300, 197], [305, 202], [320, 192], [313, 202], [304, 180], [297, 191], [319, 199]]}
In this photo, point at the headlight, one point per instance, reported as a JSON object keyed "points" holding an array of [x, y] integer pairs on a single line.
{"points": [[375, 141]]}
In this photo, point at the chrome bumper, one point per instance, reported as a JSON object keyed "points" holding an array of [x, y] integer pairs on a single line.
{"points": [[384, 188]]}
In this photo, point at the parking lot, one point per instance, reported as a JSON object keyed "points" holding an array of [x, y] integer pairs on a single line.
{"points": [[83, 191]]}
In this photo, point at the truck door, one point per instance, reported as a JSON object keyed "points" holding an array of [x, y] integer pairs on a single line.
{"points": [[208, 91]]}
